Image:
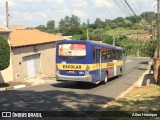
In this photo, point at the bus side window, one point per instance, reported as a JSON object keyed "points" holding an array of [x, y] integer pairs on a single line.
{"points": [[109, 53], [97, 56], [114, 54], [94, 55], [119, 55], [104, 54]]}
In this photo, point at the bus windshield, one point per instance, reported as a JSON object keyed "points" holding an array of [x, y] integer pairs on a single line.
{"points": [[72, 50]]}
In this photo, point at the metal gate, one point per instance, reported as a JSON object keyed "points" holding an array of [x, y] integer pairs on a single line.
{"points": [[31, 64]]}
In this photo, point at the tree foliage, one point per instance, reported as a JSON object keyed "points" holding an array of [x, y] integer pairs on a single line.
{"points": [[69, 23], [51, 26], [100, 30], [41, 28], [149, 16], [4, 53]]}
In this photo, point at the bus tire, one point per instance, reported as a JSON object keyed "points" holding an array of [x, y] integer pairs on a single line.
{"points": [[105, 79], [121, 71]]}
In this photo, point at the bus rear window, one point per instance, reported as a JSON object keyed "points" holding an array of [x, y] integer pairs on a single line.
{"points": [[72, 50]]}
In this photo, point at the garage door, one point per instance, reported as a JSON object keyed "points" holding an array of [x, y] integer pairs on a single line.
{"points": [[31, 64]]}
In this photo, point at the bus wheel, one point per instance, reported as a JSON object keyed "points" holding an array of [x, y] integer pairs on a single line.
{"points": [[121, 72], [105, 79]]}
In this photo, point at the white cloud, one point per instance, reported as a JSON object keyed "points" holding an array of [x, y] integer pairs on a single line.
{"points": [[79, 3], [27, 1], [79, 13], [58, 11], [102, 3], [11, 4], [55, 1]]}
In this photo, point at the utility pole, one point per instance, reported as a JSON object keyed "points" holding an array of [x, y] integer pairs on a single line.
{"points": [[87, 35], [7, 15], [158, 26], [151, 40], [138, 45], [113, 40]]}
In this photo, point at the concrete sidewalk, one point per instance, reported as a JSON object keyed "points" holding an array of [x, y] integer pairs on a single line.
{"points": [[38, 80]]}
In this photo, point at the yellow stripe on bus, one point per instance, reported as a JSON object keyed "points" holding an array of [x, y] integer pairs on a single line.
{"points": [[91, 66]]}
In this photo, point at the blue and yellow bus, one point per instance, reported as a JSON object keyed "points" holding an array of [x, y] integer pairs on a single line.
{"points": [[87, 61]]}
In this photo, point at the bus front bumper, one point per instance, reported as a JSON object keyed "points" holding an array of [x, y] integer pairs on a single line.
{"points": [[86, 78]]}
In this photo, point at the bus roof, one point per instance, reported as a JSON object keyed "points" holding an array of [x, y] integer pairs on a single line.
{"points": [[91, 42]]}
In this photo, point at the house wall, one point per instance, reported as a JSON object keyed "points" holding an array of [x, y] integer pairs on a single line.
{"points": [[7, 74], [47, 59]]}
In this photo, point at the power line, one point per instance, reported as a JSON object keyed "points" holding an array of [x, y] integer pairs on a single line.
{"points": [[136, 15], [119, 11], [125, 6], [120, 7], [136, 6], [110, 13]]}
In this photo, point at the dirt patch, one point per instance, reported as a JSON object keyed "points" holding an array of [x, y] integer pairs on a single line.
{"points": [[139, 36]]}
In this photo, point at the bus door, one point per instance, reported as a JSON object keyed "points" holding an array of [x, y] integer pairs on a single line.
{"points": [[98, 63]]}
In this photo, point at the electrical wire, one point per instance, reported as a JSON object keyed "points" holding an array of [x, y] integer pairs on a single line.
{"points": [[135, 7], [118, 10], [120, 5]]}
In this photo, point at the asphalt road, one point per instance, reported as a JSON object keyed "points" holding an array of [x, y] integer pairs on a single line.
{"points": [[71, 96]]}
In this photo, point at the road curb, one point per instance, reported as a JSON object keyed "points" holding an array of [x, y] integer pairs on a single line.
{"points": [[2, 89], [13, 87], [24, 85]]}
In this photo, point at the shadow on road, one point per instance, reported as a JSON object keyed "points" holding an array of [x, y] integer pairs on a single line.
{"points": [[75, 85], [144, 62], [54, 100], [79, 85]]}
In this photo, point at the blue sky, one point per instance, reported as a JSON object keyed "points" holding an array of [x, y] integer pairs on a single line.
{"points": [[31, 13]]}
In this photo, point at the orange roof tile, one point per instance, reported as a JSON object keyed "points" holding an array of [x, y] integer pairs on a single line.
{"points": [[26, 37]]}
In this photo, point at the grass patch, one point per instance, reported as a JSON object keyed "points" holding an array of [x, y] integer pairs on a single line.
{"points": [[140, 99]]}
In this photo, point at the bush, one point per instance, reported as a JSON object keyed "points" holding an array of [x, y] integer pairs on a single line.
{"points": [[4, 53]]}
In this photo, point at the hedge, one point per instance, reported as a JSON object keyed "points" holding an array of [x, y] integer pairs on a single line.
{"points": [[4, 53]]}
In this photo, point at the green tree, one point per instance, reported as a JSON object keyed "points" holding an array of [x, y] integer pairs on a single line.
{"points": [[93, 26], [41, 28], [128, 24], [4, 53], [149, 16], [134, 19], [73, 31], [68, 23], [74, 21], [62, 25], [99, 23], [51, 26], [120, 21], [110, 24]]}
